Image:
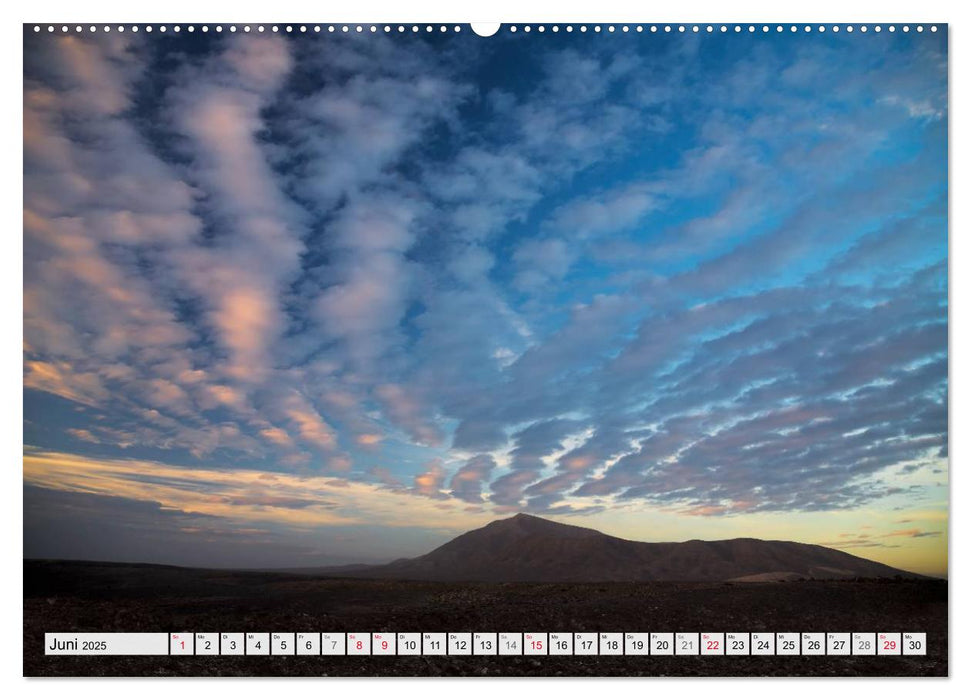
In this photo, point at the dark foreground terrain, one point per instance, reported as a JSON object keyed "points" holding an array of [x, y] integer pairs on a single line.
{"points": [[95, 597]]}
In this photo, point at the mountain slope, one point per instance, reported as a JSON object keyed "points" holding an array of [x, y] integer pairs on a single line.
{"points": [[527, 548]]}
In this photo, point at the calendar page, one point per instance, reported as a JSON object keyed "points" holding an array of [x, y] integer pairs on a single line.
{"points": [[548, 349]]}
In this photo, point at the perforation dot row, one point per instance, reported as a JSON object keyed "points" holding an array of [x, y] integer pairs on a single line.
{"points": [[414, 28], [260, 28], [724, 28]]}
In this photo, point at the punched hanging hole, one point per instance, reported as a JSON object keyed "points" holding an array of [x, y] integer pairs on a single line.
{"points": [[485, 28]]}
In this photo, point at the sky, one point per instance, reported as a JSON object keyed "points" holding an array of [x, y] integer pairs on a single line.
{"points": [[329, 298]]}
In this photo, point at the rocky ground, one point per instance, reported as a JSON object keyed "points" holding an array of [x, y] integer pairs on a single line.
{"points": [[84, 597]]}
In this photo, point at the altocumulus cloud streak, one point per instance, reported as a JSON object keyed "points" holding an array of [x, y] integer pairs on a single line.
{"points": [[288, 285]]}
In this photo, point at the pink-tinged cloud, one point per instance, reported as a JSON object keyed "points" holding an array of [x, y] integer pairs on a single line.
{"points": [[912, 532], [431, 482], [277, 436], [83, 435], [310, 426], [62, 380], [404, 411], [467, 483]]}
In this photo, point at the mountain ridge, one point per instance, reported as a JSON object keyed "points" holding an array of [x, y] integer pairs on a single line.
{"points": [[527, 548]]}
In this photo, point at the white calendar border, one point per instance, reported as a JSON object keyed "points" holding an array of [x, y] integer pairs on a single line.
{"points": [[438, 10]]}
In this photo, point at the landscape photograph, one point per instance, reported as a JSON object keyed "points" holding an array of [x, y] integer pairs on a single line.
{"points": [[579, 329]]}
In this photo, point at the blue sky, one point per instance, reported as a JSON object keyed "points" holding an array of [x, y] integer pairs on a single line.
{"points": [[321, 298]]}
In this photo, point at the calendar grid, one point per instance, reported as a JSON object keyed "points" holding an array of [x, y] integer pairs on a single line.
{"points": [[478, 644]]}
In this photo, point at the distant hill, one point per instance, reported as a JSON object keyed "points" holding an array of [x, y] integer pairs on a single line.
{"points": [[526, 548]]}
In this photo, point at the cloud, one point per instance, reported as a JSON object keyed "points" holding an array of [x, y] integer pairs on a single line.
{"points": [[368, 439], [217, 107], [310, 426], [611, 212], [83, 435], [79, 525], [542, 262], [371, 278], [431, 482], [276, 435], [243, 495], [913, 532], [532, 444], [631, 278], [467, 482], [60, 379], [408, 413]]}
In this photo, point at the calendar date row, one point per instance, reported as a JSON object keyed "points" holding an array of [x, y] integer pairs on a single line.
{"points": [[489, 644]]}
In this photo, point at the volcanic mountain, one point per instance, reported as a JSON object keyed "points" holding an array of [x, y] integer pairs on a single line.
{"points": [[526, 548]]}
